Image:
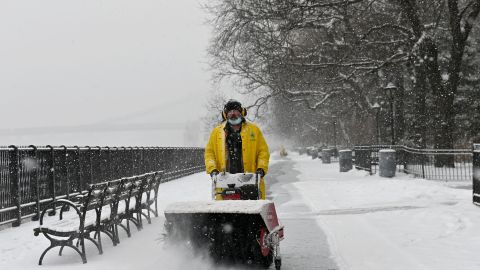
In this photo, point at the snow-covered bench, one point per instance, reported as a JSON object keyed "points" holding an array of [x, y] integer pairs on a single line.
{"points": [[100, 209]]}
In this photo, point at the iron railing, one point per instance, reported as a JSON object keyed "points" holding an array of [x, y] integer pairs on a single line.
{"points": [[35, 175], [422, 163]]}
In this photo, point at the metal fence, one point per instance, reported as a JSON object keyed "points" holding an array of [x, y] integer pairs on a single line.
{"points": [[32, 176], [423, 163]]}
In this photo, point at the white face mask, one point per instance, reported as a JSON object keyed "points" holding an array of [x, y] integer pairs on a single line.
{"points": [[235, 121]]}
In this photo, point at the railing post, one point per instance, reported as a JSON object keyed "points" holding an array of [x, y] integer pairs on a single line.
{"points": [[51, 177], [114, 163], [150, 159], [124, 161], [67, 175], [78, 166], [162, 153], [98, 168], [15, 184], [90, 165], [133, 160], [159, 162], [423, 157], [36, 186], [142, 164], [476, 174], [154, 157], [109, 163], [147, 159]]}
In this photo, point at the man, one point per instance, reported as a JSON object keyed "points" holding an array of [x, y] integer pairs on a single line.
{"points": [[237, 146]]}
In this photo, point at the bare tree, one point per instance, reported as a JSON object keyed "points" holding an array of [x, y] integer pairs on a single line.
{"points": [[336, 56]]}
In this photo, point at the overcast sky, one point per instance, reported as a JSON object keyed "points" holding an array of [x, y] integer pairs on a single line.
{"points": [[82, 62]]}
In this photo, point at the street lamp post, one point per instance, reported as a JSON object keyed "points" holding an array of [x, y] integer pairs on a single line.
{"points": [[334, 132], [376, 107], [390, 88]]}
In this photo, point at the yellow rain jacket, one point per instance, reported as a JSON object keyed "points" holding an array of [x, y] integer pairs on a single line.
{"points": [[255, 153]]}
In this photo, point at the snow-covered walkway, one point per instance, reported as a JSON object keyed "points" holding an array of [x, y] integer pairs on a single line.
{"points": [[20, 249], [333, 221], [400, 223]]}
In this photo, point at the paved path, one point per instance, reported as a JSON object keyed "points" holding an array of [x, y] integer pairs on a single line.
{"points": [[305, 245]]}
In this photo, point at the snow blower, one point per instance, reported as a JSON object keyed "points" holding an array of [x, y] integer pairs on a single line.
{"points": [[235, 227]]}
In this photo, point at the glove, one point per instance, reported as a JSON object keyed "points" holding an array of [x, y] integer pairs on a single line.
{"points": [[260, 172], [213, 173]]}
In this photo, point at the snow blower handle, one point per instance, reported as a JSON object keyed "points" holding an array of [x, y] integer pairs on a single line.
{"points": [[214, 175], [257, 185], [214, 186]]}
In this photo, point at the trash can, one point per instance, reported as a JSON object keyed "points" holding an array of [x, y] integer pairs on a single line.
{"points": [[326, 156], [387, 162], [345, 160], [314, 153]]}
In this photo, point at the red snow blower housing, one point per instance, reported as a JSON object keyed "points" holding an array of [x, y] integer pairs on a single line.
{"points": [[235, 227]]}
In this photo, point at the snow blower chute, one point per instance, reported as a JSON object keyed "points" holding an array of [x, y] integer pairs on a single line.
{"points": [[235, 227]]}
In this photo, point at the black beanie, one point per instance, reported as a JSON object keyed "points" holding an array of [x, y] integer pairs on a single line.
{"points": [[232, 105]]}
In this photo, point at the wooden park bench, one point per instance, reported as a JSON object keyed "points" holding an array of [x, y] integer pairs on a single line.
{"points": [[101, 209]]}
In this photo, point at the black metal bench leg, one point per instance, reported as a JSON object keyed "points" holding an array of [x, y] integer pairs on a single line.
{"points": [[97, 233], [110, 232], [82, 254], [151, 209], [135, 222], [127, 229], [140, 222], [147, 216], [100, 250], [117, 238], [45, 252]]}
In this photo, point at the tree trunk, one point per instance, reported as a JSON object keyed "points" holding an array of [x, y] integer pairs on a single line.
{"points": [[443, 100], [419, 111], [399, 109]]}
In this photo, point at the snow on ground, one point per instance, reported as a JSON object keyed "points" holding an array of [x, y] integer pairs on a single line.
{"points": [[399, 223], [368, 223], [305, 245], [20, 249]]}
